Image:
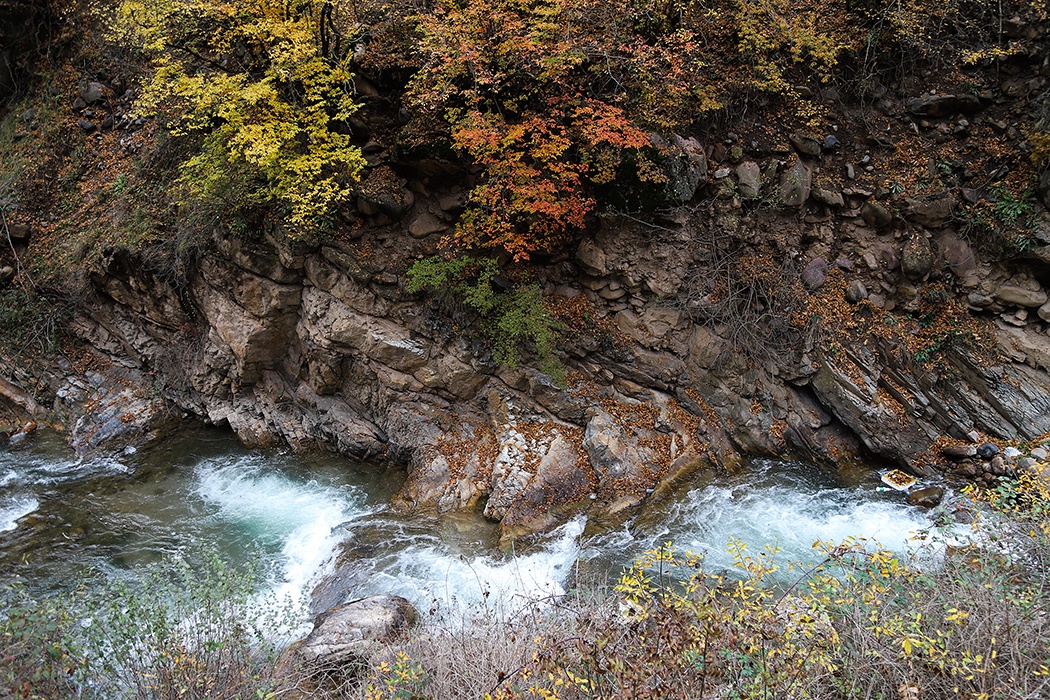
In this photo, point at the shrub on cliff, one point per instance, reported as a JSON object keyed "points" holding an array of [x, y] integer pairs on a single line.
{"points": [[268, 107]]}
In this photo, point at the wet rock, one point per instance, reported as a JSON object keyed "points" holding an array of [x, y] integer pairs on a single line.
{"points": [[987, 450], [876, 215], [927, 497], [815, 274]]}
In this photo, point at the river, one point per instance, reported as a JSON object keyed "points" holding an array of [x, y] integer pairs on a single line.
{"points": [[63, 521]]}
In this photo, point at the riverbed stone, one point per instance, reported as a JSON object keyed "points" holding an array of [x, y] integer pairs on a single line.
{"points": [[926, 497]]}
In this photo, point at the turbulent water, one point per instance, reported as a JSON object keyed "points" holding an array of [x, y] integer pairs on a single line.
{"points": [[308, 518]]}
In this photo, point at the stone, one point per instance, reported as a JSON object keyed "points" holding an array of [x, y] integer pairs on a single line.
{"points": [[7, 273], [1014, 295], [831, 199], [987, 450], [1011, 452], [917, 258], [686, 168], [749, 179], [851, 172], [795, 184], [935, 106], [856, 292], [806, 145], [722, 173], [958, 254], [1038, 453], [425, 225], [876, 215], [931, 213], [87, 125], [926, 497], [19, 232], [591, 258], [959, 452], [92, 92], [831, 142], [343, 637], [815, 274]]}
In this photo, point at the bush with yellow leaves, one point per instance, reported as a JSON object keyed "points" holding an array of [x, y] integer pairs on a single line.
{"points": [[249, 79]]}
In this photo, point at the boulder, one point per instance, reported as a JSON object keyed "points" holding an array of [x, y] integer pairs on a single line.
{"points": [[426, 224], [856, 292], [749, 179], [1043, 188], [341, 643], [876, 215], [92, 92], [931, 213], [916, 258], [815, 274], [795, 184], [591, 258], [1015, 295], [831, 199], [806, 145], [927, 497], [685, 165], [936, 106]]}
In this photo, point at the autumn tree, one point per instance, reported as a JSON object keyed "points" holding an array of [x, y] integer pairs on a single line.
{"points": [[552, 99], [257, 82]]}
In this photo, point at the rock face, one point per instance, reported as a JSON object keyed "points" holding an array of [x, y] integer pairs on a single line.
{"points": [[680, 356]]}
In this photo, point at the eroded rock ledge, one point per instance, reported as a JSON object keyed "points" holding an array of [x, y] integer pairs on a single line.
{"points": [[320, 347]]}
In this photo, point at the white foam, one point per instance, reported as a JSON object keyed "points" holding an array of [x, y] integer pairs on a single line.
{"points": [[431, 574], [12, 509], [299, 517], [773, 508]]}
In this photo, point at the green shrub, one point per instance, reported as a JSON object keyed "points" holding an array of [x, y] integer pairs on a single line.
{"points": [[512, 319]]}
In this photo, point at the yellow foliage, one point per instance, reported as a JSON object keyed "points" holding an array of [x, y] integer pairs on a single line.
{"points": [[249, 77]]}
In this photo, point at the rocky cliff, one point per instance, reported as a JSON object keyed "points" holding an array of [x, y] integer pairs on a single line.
{"points": [[813, 295]]}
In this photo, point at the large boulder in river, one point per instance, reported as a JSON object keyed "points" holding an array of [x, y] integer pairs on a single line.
{"points": [[342, 640]]}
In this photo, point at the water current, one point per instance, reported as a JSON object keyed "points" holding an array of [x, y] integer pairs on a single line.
{"points": [[306, 518]]}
